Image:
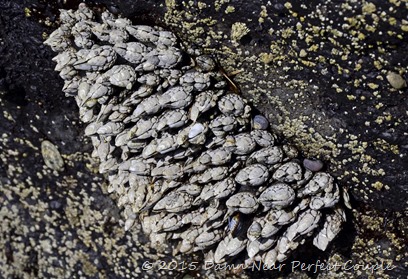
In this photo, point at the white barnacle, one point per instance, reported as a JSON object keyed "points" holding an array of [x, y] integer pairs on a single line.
{"points": [[174, 202], [244, 202], [253, 175], [278, 195], [122, 76]]}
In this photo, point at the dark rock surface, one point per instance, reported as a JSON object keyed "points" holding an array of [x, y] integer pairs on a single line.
{"points": [[316, 70]]}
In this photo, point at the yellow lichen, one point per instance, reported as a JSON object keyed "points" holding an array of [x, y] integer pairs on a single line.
{"points": [[27, 12], [266, 57], [238, 30], [369, 8], [377, 185], [229, 9]]}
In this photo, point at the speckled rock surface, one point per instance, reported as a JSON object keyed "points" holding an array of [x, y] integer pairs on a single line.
{"points": [[318, 71]]}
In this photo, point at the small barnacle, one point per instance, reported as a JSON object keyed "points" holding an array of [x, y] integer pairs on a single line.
{"points": [[278, 196], [244, 202], [207, 239], [196, 133], [122, 76], [232, 104], [252, 175], [255, 229], [174, 202], [96, 59], [205, 63], [288, 172], [229, 247]]}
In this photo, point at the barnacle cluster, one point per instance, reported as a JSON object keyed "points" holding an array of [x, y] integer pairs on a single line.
{"points": [[185, 155]]}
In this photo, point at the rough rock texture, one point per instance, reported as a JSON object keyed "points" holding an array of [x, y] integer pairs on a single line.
{"points": [[317, 70]]}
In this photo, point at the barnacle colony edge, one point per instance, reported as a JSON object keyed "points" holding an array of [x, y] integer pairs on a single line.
{"points": [[186, 156]]}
